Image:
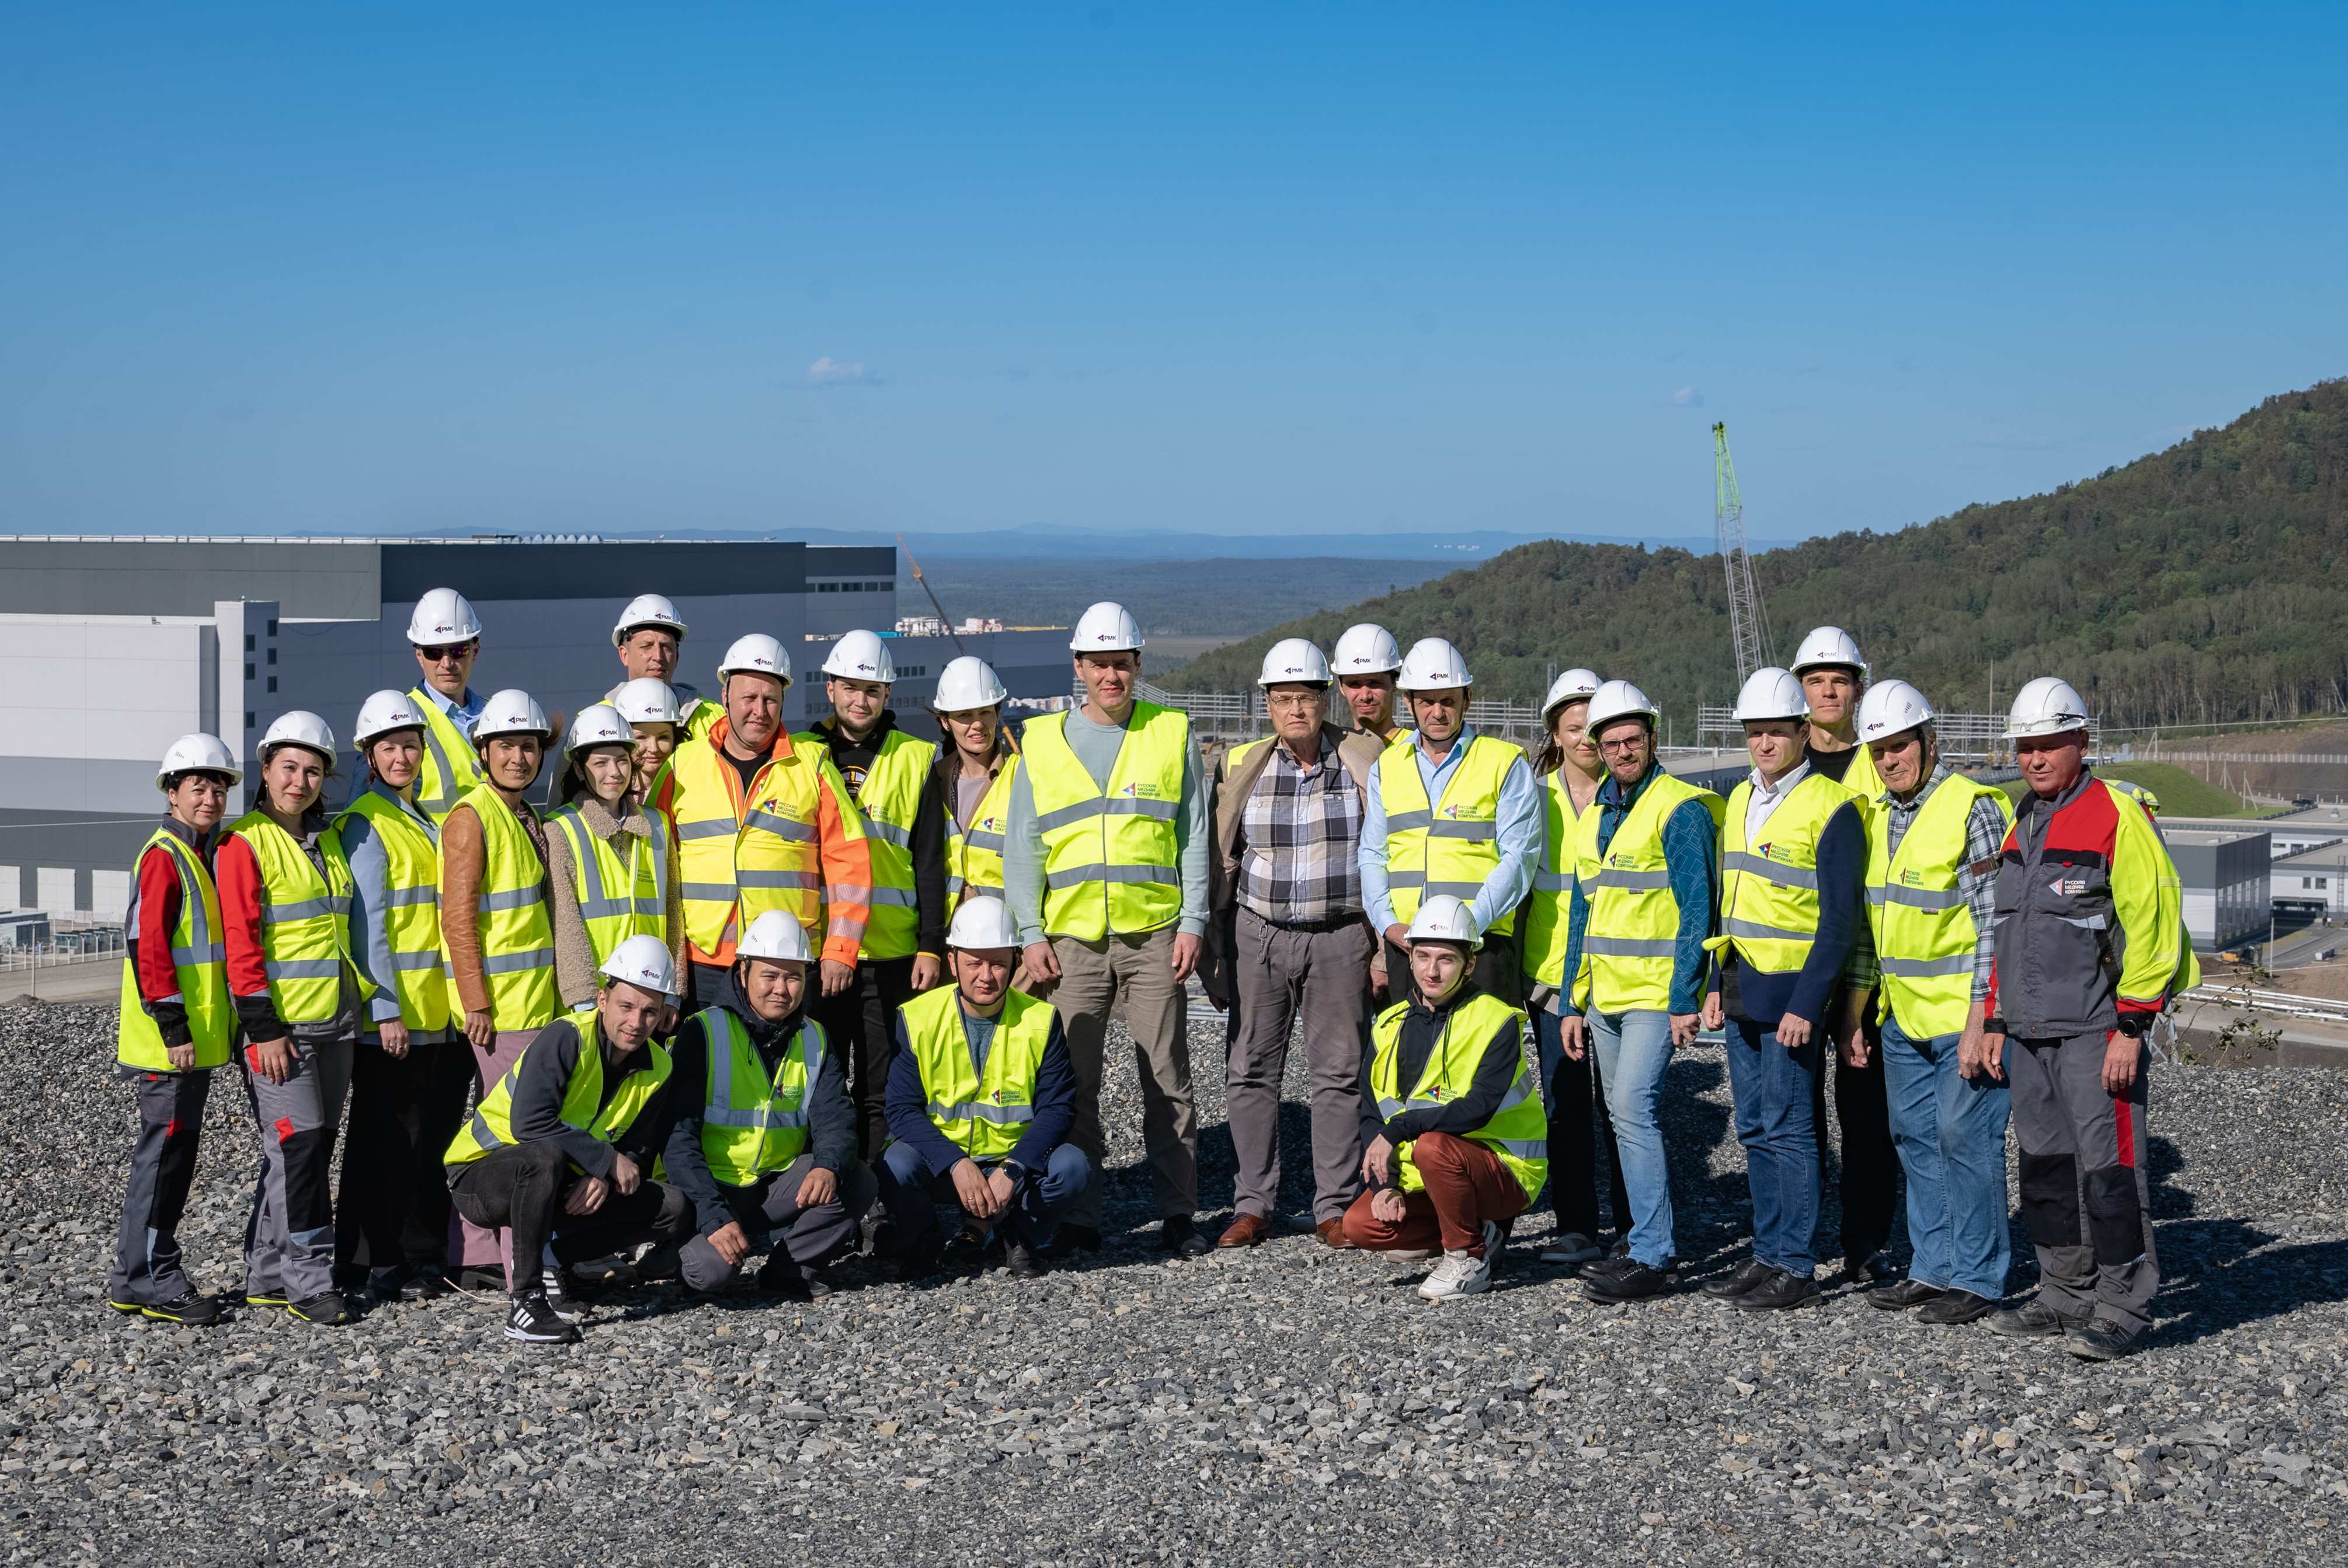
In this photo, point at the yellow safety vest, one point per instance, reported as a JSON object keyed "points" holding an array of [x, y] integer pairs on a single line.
{"points": [[975, 854], [1111, 858], [617, 898], [1546, 907], [305, 918], [1517, 1132], [890, 799], [517, 936], [411, 917], [450, 767], [751, 1124], [584, 1106], [1629, 934], [1923, 929], [1769, 892], [984, 1114], [1453, 846], [740, 856], [199, 955]]}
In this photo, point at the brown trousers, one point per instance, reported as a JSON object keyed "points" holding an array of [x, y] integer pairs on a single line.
{"points": [[1466, 1186]]}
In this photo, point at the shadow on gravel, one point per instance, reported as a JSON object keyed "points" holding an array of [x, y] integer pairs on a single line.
{"points": [[2218, 1278]]}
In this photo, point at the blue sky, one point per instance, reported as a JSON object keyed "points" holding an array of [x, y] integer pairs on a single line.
{"points": [[1319, 268]]}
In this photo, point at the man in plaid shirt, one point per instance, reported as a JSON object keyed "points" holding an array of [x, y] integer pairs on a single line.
{"points": [[1288, 935]]}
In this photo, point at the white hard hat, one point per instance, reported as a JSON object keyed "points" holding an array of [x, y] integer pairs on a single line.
{"points": [[983, 922], [1891, 708], [1621, 699], [644, 961], [756, 653], [1444, 918], [2047, 706], [776, 934], [1107, 628], [300, 729], [1367, 649], [646, 701], [1433, 665], [1771, 693], [966, 683], [1826, 646], [382, 713], [860, 656], [1571, 687], [647, 610], [511, 711], [1293, 659], [443, 616], [196, 753], [598, 724]]}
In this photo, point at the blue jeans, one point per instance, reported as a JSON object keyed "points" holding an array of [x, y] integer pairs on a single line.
{"points": [[1633, 1051], [911, 1193], [1952, 1135], [1773, 1088], [1575, 1114]]}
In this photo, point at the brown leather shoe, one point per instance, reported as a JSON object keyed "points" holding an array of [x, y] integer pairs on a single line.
{"points": [[1333, 1234], [1247, 1230]]}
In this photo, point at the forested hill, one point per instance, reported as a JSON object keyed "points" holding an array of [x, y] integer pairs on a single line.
{"points": [[2200, 584]]}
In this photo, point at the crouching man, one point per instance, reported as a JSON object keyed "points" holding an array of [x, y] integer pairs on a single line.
{"points": [[981, 1099], [769, 1155], [556, 1151], [1455, 1141]]}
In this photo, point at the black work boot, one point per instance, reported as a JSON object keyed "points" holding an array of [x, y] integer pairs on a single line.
{"points": [[1754, 1272]]}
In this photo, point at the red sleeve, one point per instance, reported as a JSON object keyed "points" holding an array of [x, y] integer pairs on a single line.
{"points": [[157, 919], [238, 875]]}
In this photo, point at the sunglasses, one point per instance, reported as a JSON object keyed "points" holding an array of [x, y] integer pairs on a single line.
{"points": [[449, 655]]}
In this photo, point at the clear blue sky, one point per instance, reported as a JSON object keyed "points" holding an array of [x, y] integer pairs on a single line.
{"points": [[1309, 267]]}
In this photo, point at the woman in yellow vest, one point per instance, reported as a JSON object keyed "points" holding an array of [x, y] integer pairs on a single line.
{"points": [[1452, 1135], [286, 896], [610, 863], [411, 1072], [175, 1025], [657, 723], [976, 769]]}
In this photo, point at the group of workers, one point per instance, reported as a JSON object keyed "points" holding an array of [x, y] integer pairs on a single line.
{"points": [[725, 990]]}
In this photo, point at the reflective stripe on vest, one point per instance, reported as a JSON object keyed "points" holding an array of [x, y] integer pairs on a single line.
{"points": [[1448, 846], [450, 766], [1516, 1132], [583, 1107], [617, 898], [305, 918], [984, 1114], [1769, 892], [199, 957], [974, 854], [1110, 855], [411, 916], [1547, 906], [742, 854], [517, 936], [751, 1124], [1923, 929], [1631, 932], [890, 799]]}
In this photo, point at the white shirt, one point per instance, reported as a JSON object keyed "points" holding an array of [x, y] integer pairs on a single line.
{"points": [[1764, 799]]}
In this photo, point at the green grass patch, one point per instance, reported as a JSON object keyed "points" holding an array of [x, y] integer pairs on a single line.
{"points": [[2182, 793]]}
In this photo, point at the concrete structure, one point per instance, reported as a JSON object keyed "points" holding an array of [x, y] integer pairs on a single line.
{"points": [[2300, 830], [115, 646], [2313, 882], [2224, 870]]}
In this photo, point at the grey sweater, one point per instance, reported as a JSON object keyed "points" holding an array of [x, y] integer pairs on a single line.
{"points": [[1095, 747]]}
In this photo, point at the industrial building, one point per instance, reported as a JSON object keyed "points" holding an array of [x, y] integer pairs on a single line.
{"points": [[116, 646], [2224, 872], [2313, 882]]}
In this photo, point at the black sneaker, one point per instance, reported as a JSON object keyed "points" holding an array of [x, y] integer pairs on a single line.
{"points": [[2033, 1319], [967, 1250], [920, 1258], [406, 1284], [1072, 1239], [1873, 1269], [192, 1311], [1022, 1261], [2102, 1340], [792, 1281], [534, 1321], [554, 1285], [1636, 1282], [327, 1310], [1781, 1291], [1754, 1272], [1954, 1306], [1902, 1295], [1179, 1235]]}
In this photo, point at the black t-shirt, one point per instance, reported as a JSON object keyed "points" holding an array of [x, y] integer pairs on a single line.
{"points": [[1833, 765]]}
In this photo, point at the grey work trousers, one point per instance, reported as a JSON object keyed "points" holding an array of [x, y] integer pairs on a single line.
{"points": [[1281, 973], [1132, 977], [147, 1267], [289, 1241], [768, 1211], [2085, 1197]]}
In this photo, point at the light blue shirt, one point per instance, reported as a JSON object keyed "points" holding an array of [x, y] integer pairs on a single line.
{"points": [[1520, 829], [463, 712]]}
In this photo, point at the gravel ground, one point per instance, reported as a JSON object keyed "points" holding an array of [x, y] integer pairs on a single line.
{"points": [[1288, 1404]]}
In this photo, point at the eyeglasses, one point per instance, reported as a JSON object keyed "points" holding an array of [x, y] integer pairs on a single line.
{"points": [[1292, 699], [448, 655], [1624, 746]]}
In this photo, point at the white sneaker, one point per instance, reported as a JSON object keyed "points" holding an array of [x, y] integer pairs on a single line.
{"points": [[1458, 1274], [1572, 1247], [1495, 1236]]}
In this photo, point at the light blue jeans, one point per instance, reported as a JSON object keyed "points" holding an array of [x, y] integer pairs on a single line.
{"points": [[1951, 1133], [1635, 1051]]}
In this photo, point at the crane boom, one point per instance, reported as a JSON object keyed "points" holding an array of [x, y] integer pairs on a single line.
{"points": [[1747, 629], [942, 619]]}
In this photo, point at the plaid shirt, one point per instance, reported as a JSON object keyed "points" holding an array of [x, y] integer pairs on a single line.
{"points": [[1298, 836], [1984, 842]]}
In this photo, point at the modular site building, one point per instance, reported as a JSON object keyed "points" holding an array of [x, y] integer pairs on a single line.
{"points": [[116, 646]]}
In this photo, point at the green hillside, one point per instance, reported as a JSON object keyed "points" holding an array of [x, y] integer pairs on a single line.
{"points": [[2180, 794], [2198, 585]]}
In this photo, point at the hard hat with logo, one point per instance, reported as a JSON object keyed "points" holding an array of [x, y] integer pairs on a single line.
{"points": [[442, 617], [1368, 649], [860, 656], [647, 701], [1619, 700], [1891, 708], [642, 961], [383, 714], [598, 724], [299, 729], [197, 753], [1107, 628], [1444, 918], [2047, 706], [776, 934], [1293, 659], [511, 711], [1771, 693], [981, 923], [1826, 646], [966, 683], [1433, 665], [757, 654], [1574, 686], [647, 610]]}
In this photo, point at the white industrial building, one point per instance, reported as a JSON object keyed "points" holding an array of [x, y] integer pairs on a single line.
{"points": [[116, 646]]}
